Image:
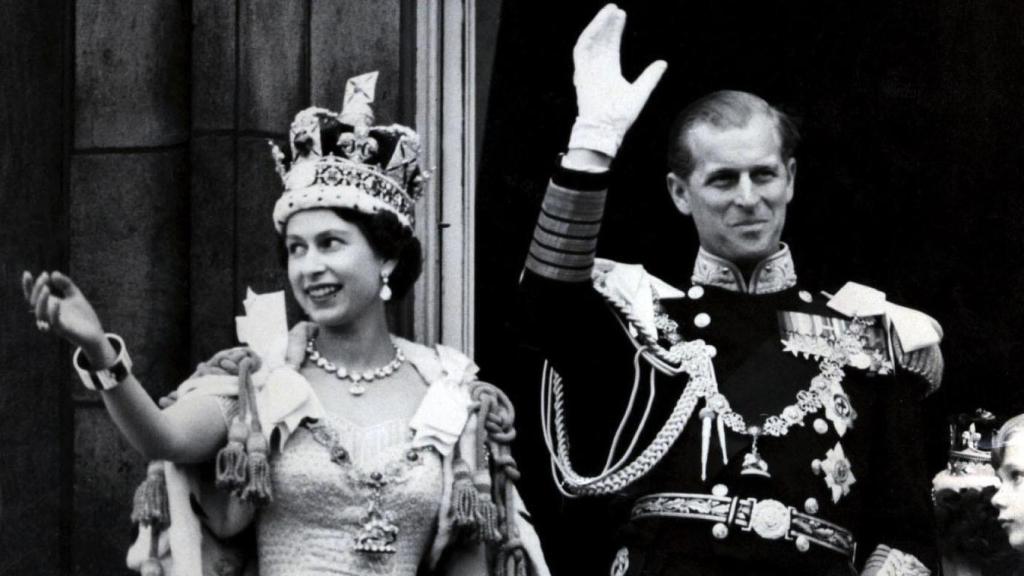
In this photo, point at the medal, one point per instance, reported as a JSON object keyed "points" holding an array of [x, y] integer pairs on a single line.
{"points": [[753, 464]]}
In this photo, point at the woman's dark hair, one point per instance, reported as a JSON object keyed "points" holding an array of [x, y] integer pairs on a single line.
{"points": [[389, 239]]}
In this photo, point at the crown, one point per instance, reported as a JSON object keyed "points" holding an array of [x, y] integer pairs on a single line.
{"points": [[340, 160], [970, 440]]}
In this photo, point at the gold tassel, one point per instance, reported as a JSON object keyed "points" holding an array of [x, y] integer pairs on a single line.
{"points": [[487, 517], [486, 511], [464, 496], [232, 463], [150, 504], [258, 490]]}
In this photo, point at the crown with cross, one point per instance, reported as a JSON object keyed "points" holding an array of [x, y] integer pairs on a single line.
{"points": [[341, 160]]}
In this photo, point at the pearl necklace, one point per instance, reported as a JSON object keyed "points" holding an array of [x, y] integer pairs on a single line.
{"points": [[358, 379]]}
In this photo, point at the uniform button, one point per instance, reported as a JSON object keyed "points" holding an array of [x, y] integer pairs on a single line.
{"points": [[701, 320], [803, 544], [811, 506], [720, 531], [719, 490], [820, 426], [816, 466], [806, 296], [712, 351], [695, 292]]}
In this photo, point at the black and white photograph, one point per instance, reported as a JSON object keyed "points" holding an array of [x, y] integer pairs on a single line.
{"points": [[511, 288]]}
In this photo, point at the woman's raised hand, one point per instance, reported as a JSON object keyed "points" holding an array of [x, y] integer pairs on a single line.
{"points": [[60, 307]]}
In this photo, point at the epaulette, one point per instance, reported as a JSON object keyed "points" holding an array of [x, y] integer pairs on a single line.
{"points": [[917, 334], [633, 294]]}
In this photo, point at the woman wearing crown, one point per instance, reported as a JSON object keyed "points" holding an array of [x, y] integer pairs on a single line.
{"points": [[352, 451]]}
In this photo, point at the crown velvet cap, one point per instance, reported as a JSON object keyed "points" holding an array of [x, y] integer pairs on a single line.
{"points": [[340, 160]]}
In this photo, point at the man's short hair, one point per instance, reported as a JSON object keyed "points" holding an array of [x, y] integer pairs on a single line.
{"points": [[1012, 427], [725, 109]]}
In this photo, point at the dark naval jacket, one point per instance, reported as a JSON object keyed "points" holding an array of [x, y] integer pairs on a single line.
{"points": [[793, 504]]}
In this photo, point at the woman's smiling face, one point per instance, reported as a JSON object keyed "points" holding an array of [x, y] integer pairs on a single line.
{"points": [[333, 271]]}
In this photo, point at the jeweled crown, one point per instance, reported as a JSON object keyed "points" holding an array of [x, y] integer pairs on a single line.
{"points": [[340, 160]]}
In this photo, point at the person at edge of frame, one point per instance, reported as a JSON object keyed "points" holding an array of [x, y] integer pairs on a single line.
{"points": [[1008, 460], [742, 424]]}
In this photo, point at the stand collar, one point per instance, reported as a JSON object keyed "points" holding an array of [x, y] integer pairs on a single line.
{"points": [[773, 274]]}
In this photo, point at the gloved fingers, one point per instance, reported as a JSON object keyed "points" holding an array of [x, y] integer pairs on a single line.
{"points": [[649, 79], [607, 25]]}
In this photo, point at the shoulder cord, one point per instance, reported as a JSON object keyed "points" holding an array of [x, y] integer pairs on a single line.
{"points": [[553, 396], [693, 357]]}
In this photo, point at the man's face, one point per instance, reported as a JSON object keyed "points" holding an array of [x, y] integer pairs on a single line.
{"points": [[1009, 500], [738, 190]]}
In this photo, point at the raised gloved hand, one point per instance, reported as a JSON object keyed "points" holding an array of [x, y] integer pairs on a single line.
{"points": [[607, 104]]}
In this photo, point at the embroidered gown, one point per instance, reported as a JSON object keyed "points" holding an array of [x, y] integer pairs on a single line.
{"points": [[353, 500], [321, 504]]}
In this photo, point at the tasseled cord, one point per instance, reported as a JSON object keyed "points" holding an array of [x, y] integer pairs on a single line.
{"points": [[242, 465], [464, 495], [232, 460], [258, 489], [495, 433], [486, 510], [150, 508]]}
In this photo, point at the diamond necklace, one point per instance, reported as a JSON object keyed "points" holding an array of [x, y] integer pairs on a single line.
{"points": [[358, 379]]}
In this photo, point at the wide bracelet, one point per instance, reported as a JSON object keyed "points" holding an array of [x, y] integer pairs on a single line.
{"points": [[107, 378]]}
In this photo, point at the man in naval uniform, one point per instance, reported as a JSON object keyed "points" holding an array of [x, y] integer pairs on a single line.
{"points": [[743, 424]]}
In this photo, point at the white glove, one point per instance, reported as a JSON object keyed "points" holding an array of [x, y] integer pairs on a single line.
{"points": [[607, 104]]}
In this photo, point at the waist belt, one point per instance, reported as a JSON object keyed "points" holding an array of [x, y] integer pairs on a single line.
{"points": [[769, 519]]}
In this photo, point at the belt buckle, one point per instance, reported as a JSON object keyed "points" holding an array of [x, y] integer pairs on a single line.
{"points": [[769, 519]]}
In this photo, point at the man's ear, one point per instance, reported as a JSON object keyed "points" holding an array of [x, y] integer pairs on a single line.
{"points": [[679, 191], [791, 169]]}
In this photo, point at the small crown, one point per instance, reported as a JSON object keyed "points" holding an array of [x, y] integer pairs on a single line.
{"points": [[970, 440], [340, 160]]}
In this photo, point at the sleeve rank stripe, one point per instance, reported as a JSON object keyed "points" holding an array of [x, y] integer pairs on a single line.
{"points": [[571, 229], [559, 242]]}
